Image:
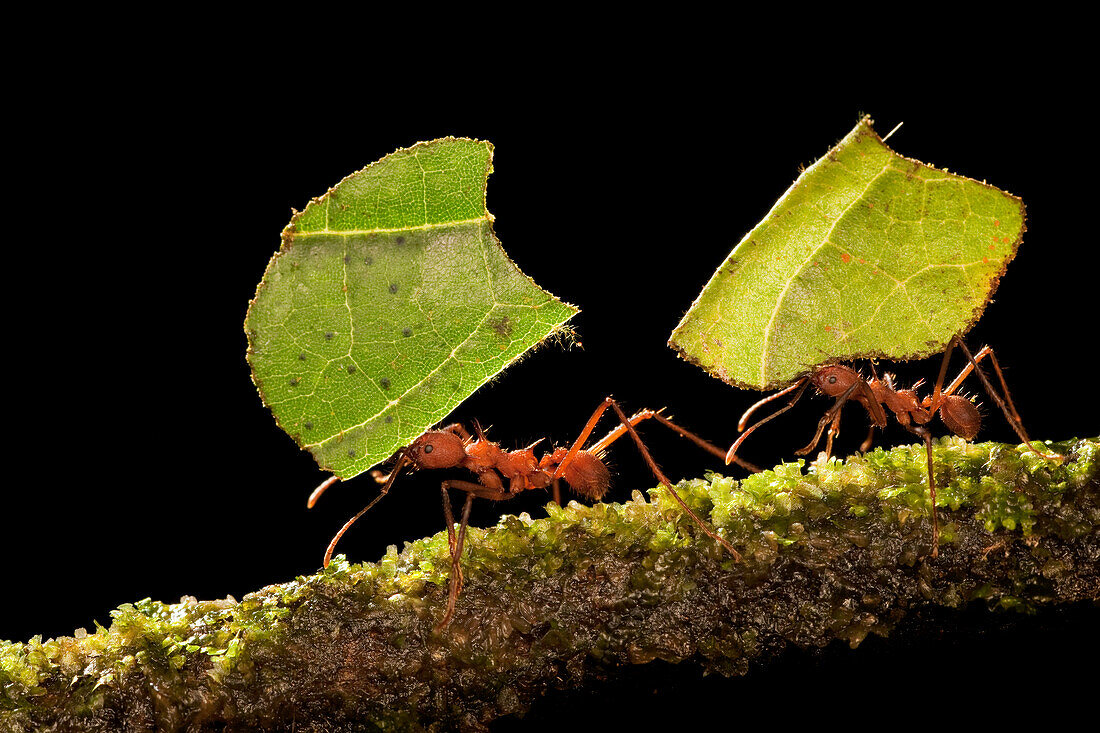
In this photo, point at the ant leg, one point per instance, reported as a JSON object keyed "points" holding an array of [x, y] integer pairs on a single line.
{"points": [[641, 415], [457, 543], [608, 402], [834, 430], [801, 385], [1006, 405], [448, 517], [705, 445], [927, 435], [456, 555], [868, 441], [832, 415]]}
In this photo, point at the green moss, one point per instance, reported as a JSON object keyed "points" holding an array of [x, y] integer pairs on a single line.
{"points": [[588, 586]]}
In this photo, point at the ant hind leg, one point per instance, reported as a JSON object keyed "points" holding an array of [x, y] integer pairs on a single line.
{"points": [[1012, 416], [926, 434], [608, 402]]}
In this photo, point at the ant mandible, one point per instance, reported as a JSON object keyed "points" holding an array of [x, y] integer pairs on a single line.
{"points": [[503, 474], [958, 413]]}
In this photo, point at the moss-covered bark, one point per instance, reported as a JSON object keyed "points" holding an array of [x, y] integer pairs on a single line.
{"points": [[836, 551]]}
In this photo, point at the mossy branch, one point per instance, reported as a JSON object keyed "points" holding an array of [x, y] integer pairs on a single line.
{"points": [[836, 551]]}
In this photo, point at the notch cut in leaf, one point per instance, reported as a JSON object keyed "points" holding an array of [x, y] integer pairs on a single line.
{"points": [[868, 254], [389, 302]]}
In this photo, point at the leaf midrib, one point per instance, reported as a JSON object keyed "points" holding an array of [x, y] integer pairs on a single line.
{"points": [[816, 250], [351, 232]]}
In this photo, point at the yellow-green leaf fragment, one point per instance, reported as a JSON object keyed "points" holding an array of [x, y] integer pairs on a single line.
{"points": [[867, 254], [389, 302]]}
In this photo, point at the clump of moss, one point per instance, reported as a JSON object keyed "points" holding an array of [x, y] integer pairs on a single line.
{"points": [[837, 549]]}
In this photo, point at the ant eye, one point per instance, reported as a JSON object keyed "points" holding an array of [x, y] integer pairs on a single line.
{"points": [[429, 448], [832, 380]]}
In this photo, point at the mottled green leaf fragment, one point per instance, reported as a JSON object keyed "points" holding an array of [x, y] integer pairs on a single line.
{"points": [[867, 254], [389, 302]]}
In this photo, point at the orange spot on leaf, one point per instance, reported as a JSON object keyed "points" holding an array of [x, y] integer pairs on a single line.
{"points": [[846, 258]]}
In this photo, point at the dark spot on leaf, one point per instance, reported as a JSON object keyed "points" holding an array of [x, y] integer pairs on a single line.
{"points": [[301, 357], [347, 259], [369, 260], [351, 369], [393, 287], [389, 419], [384, 382], [406, 332], [328, 336], [293, 381], [400, 240], [308, 426], [502, 326], [351, 453]]}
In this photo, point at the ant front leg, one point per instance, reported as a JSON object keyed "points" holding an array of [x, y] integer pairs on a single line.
{"points": [[832, 415], [456, 542]]}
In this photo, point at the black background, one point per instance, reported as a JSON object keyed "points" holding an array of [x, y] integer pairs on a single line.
{"points": [[152, 199]]}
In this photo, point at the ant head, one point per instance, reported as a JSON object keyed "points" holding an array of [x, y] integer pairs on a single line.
{"points": [[835, 380], [437, 449]]}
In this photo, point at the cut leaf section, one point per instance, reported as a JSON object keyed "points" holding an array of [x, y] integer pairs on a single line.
{"points": [[389, 302], [868, 254]]}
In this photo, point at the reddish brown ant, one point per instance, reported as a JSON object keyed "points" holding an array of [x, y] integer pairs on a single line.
{"points": [[958, 413], [503, 474]]}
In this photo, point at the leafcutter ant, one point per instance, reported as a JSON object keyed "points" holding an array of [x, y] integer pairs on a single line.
{"points": [[503, 474], [913, 413]]}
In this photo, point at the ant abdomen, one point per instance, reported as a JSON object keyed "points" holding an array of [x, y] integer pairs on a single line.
{"points": [[587, 475], [960, 416]]}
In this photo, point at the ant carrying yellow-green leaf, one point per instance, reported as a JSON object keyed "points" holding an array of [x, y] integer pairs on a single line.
{"points": [[868, 255]]}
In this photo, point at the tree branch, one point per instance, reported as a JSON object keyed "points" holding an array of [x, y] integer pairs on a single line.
{"points": [[837, 551]]}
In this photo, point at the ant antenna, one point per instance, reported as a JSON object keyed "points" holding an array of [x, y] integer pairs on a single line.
{"points": [[320, 490], [761, 402], [401, 463], [800, 385]]}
